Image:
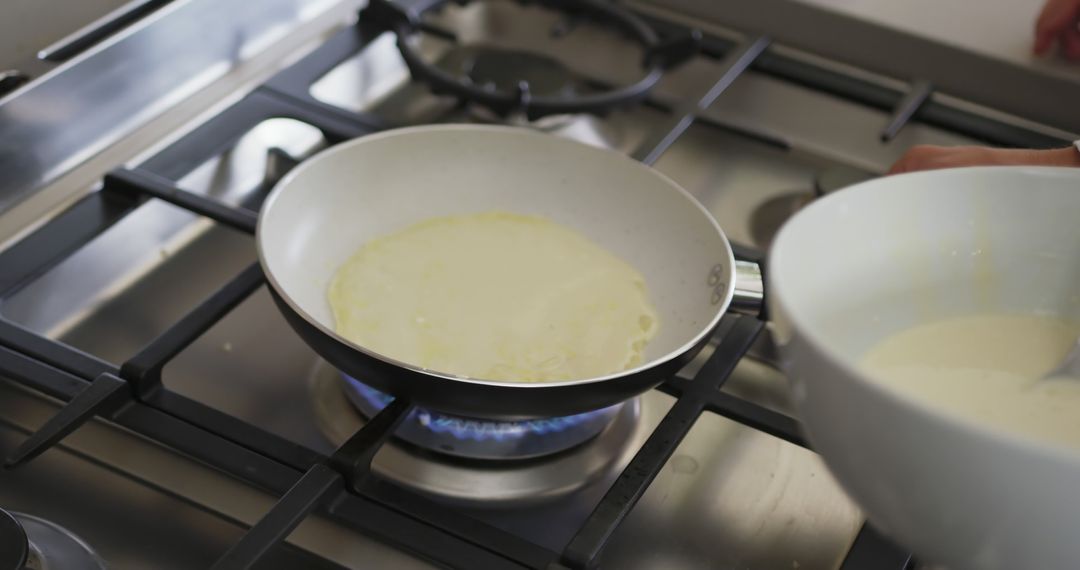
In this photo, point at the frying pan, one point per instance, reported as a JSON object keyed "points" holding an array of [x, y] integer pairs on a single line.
{"points": [[328, 207]]}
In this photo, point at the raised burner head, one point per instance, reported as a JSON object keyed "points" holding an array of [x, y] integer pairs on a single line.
{"points": [[28, 542], [505, 70], [13, 544], [499, 83], [484, 439]]}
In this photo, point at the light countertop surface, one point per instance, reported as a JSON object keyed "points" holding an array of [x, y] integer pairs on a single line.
{"points": [[1003, 29]]}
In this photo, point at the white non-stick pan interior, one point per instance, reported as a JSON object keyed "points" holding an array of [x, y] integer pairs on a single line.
{"points": [[328, 207]]}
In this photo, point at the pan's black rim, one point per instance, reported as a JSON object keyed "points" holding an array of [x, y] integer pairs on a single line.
{"points": [[14, 546], [474, 400], [662, 362]]}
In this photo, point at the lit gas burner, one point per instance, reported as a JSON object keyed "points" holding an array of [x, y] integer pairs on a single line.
{"points": [[484, 439], [31, 543], [493, 464]]}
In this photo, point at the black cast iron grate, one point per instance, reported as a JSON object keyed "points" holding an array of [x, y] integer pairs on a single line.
{"points": [[341, 486]]}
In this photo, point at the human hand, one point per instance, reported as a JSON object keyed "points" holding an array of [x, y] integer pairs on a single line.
{"points": [[930, 157], [1059, 22]]}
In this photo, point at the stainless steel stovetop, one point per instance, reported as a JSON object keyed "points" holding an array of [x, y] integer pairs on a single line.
{"points": [[730, 496]]}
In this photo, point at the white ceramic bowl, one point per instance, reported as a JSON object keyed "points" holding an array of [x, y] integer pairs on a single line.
{"points": [[891, 253]]}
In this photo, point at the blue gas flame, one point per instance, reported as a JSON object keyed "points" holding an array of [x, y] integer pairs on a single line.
{"points": [[478, 430]]}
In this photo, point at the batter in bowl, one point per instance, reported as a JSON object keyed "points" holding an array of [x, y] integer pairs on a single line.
{"points": [[988, 368]]}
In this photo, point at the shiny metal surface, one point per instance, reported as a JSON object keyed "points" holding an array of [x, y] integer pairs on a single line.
{"points": [[715, 514], [731, 497], [62, 120], [731, 174], [252, 366], [53, 547], [749, 288], [490, 484], [96, 485], [40, 23], [157, 231], [1021, 91]]}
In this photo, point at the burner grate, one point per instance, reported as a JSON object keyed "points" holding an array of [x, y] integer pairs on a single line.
{"points": [[402, 17], [131, 394]]}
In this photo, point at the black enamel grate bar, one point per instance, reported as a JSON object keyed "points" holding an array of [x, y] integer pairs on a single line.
{"points": [[382, 510], [790, 67], [100, 397], [735, 63], [392, 515], [743, 411], [905, 110], [222, 131], [352, 461], [314, 488], [368, 504], [38, 252], [36, 374], [99, 30], [296, 80], [871, 550], [585, 548], [54, 353], [757, 417], [144, 369], [294, 83], [453, 529], [403, 18], [148, 184]]}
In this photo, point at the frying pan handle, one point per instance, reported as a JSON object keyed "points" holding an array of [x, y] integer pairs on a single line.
{"points": [[749, 298]]}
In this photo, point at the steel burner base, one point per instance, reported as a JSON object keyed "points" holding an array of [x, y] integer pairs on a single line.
{"points": [[31, 543], [478, 482]]}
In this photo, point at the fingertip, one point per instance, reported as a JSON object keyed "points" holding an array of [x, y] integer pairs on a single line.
{"points": [[1042, 44], [1056, 19], [1070, 45]]}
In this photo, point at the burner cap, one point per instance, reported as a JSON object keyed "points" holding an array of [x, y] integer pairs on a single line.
{"points": [[516, 90], [44, 545], [13, 544], [505, 69], [484, 439]]}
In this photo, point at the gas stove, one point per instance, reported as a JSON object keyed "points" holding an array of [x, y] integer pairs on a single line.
{"points": [[157, 410]]}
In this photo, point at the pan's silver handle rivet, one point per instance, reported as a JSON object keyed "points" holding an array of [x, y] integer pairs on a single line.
{"points": [[715, 274], [718, 293]]}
